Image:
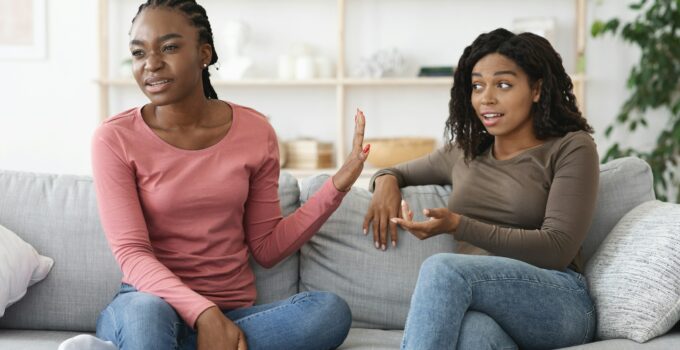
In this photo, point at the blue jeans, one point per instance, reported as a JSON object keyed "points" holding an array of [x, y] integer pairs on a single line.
{"points": [[487, 302], [311, 320]]}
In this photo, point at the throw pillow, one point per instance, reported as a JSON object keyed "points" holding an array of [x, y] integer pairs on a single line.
{"points": [[634, 276], [20, 267]]}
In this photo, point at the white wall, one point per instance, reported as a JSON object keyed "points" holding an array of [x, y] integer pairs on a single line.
{"points": [[50, 106]]}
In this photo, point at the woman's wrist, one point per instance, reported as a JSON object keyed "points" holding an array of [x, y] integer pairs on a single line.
{"points": [[386, 179], [455, 221]]}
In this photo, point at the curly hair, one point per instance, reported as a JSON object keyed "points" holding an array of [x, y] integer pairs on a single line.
{"points": [[555, 114]]}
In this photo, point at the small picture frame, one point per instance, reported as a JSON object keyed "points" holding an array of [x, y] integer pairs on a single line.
{"points": [[23, 29]]}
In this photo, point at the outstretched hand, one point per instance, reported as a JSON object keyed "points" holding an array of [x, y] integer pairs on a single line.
{"points": [[441, 220], [350, 171]]}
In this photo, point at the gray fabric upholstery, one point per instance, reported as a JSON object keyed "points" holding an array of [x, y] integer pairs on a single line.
{"points": [[11, 339], [377, 285], [376, 339], [624, 183], [57, 214]]}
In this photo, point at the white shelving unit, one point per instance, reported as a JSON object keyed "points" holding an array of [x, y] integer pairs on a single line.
{"points": [[342, 83]]}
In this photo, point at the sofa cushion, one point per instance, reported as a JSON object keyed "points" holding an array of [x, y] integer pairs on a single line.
{"points": [[634, 276], [57, 214], [377, 285], [624, 184]]}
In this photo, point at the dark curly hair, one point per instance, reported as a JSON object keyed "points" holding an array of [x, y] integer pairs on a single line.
{"points": [[199, 19], [555, 114]]}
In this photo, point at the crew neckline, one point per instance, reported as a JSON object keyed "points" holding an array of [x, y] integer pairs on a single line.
{"points": [[224, 139], [518, 156]]}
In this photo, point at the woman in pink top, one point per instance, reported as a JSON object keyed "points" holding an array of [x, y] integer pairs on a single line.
{"points": [[187, 188]]}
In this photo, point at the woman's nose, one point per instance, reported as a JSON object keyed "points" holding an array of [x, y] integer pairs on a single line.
{"points": [[488, 97], [153, 63]]}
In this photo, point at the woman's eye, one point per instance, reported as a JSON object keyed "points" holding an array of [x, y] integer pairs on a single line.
{"points": [[504, 85], [169, 48], [476, 87], [137, 53]]}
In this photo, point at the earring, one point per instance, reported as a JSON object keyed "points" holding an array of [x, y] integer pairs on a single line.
{"points": [[205, 65]]}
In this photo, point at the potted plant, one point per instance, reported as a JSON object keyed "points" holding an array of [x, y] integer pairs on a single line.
{"points": [[655, 84]]}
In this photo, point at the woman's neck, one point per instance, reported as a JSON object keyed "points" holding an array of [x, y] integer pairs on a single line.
{"points": [[506, 147], [187, 114]]}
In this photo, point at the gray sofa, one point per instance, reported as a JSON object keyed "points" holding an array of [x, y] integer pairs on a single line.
{"points": [[57, 214]]}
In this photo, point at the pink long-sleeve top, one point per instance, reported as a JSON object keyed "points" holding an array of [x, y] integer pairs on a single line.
{"points": [[182, 223]]}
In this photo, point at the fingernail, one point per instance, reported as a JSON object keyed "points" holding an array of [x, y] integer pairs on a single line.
{"points": [[426, 212], [403, 202], [367, 148], [394, 220], [365, 231], [383, 247], [394, 244], [377, 245]]}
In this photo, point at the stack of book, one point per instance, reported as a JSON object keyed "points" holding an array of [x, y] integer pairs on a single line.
{"points": [[308, 154]]}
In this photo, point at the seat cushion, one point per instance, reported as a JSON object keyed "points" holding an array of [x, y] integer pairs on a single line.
{"points": [[32, 340]]}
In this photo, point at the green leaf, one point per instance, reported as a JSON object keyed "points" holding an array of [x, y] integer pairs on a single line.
{"points": [[597, 28], [608, 131]]}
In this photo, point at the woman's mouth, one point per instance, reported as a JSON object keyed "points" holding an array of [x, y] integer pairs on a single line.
{"points": [[491, 119], [157, 85]]}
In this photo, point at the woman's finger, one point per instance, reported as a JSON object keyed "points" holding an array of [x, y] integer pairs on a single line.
{"points": [[359, 126]]}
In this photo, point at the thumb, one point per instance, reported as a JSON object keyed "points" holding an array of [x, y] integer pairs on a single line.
{"points": [[436, 213]]}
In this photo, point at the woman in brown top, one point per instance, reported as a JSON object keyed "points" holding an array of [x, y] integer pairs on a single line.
{"points": [[525, 172]]}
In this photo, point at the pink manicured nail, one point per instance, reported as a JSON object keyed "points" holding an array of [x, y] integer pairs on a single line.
{"points": [[383, 247], [377, 245], [394, 220], [367, 148], [394, 244], [365, 231]]}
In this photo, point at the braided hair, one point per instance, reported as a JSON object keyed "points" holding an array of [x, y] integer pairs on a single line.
{"points": [[198, 19], [555, 114]]}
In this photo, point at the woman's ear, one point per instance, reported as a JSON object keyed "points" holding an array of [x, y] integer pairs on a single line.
{"points": [[536, 90], [206, 54]]}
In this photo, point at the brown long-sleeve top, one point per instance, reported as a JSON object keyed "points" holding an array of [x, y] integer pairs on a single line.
{"points": [[536, 207]]}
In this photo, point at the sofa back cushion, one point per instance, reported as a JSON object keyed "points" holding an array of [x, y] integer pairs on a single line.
{"points": [[624, 184], [57, 214], [376, 284]]}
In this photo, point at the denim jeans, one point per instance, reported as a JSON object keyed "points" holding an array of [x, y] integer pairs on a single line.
{"points": [[487, 302], [311, 320]]}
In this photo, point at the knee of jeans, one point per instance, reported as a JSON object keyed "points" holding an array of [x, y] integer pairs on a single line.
{"points": [[334, 307], [438, 263], [145, 306], [480, 331]]}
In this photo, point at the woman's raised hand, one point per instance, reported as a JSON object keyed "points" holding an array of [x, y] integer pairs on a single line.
{"points": [[350, 171]]}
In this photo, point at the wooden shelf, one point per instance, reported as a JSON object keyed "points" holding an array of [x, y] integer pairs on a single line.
{"points": [[342, 83]]}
